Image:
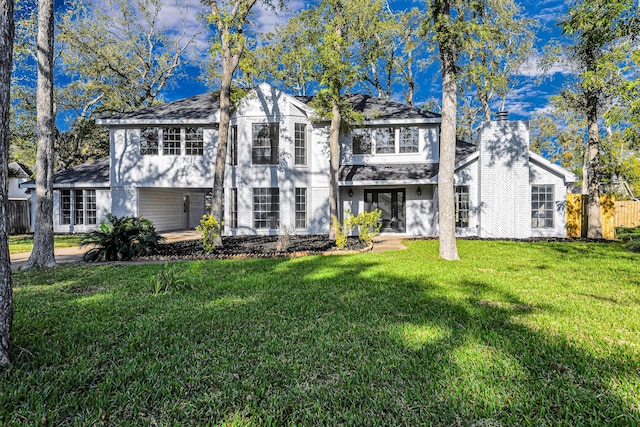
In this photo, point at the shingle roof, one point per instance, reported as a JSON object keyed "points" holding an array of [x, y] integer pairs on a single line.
{"points": [[380, 109], [95, 173], [400, 172], [19, 170], [199, 107]]}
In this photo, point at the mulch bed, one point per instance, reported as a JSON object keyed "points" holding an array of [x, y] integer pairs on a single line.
{"points": [[238, 247]]}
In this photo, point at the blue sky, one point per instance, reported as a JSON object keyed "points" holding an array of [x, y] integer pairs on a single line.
{"points": [[530, 94]]}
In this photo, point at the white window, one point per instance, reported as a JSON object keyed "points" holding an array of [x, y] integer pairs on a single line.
{"points": [[462, 206], [79, 206], [265, 143], [233, 145], [194, 141], [542, 206], [300, 142], [385, 140], [266, 208], [171, 140], [149, 141], [361, 141], [301, 208], [409, 140], [233, 208]]}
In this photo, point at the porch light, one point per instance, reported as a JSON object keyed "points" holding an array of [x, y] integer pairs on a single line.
{"points": [[419, 192], [350, 193]]}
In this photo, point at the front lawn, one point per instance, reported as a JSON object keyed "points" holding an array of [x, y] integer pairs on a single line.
{"points": [[515, 333], [24, 242]]}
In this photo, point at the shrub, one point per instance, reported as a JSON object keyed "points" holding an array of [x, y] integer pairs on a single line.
{"points": [[368, 225], [209, 228], [122, 238], [343, 230], [284, 237], [631, 237]]}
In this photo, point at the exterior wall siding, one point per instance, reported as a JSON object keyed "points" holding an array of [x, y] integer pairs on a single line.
{"points": [[541, 176], [103, 207]]}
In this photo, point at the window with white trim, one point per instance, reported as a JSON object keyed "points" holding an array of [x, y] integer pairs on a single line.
{"points": [[194, 141], [542, 206], [265, 143], [233, 208], [79, 206], [266, 208], [300, 143], [409, 139], [361, 139], [171, 141], [149, 141], [233, 145], [462, 206], [301, 207], [385, 140]]}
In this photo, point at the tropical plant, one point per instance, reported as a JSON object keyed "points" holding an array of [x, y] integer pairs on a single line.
{"points": [[122, 238]]}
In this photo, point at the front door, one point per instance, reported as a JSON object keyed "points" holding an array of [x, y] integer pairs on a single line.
{"points": [[391, 203]]}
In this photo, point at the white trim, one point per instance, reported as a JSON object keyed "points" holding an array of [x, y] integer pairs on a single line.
{"points": [[389, 182], [211, 120], [542, 162]]}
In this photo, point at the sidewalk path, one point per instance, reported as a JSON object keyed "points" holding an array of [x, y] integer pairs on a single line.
{"points": [[74, 254]]}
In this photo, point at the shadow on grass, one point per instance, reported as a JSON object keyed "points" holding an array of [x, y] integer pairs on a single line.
{"points": [[318, 340]]}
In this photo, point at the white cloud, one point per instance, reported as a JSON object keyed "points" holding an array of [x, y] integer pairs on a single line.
{"points": [[532, 67]]}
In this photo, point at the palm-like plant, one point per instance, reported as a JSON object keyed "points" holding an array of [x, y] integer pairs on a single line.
{"points": [[122, 238]]}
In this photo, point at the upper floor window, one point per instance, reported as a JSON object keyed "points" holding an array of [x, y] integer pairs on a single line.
{"points": [[149, 141], [462, 206], [194, 141], [265, 143], [361, 141], [542, 206], [233, 145], [300, 142], [385, 140], [171, 140], [409, 140]]}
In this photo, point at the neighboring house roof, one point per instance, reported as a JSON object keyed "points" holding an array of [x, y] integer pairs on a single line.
{"points": [[378, 109], [93, 174], [400, 172], [18, 170], [197, 109]]}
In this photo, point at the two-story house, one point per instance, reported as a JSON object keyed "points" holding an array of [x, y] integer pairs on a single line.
{"points": [[162, 160]]}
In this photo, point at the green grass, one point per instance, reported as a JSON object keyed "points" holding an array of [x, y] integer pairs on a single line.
{"points": [[514, 334], [24, 242]]}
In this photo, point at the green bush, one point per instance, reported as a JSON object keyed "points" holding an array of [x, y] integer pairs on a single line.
{"points": [[343, 230], [631, 237], [209, 228], [122, 238], [368, 225], [168, 281]]}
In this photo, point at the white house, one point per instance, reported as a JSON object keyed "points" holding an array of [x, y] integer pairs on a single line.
{"points": [[162, 159], [18, 173]]}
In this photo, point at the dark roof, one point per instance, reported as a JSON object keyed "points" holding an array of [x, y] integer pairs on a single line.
{"points": [[395, 172], [96, 173], [380, 109], [19, 170], [199, 107]]}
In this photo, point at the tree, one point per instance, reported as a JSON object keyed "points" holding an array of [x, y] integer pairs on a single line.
{"points": [[599, 29], [460, 29], [336, 47], [6, 288], [42, 254], [230, 17]]}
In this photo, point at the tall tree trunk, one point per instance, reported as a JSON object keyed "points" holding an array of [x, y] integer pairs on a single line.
{"points": [[334, 164], [6, 289], [446, 202], [594, 225], [217, 205], [42, 254]]}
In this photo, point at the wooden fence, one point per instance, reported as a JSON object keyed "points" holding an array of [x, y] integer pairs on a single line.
{"points": [[614, 214], [19, 216]]}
